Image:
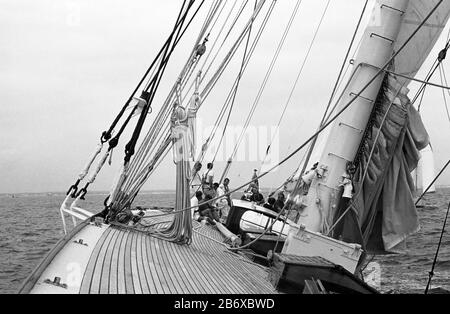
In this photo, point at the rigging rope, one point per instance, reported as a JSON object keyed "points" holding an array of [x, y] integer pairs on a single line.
{"points": [[432, 182], [341, 110], [211, 49], [155, 82], [130, 146], [431, 273], [241, 71], [106, 135], [261, 89], [236, 18], [296, 80], [421, 92], [313, 143], [372, 151], [345, 107], [231, 52], [385, 66], [229, 97], [331, 120], [444, 78], [165, 114]]}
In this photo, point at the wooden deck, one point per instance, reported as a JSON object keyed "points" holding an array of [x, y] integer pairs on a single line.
{"points": [[125, 261]]}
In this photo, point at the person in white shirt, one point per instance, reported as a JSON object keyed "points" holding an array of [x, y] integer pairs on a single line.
{"points": [[221, 203], [196, 180], [343, 208], [198, 197], [309, 175], [348, 186]]}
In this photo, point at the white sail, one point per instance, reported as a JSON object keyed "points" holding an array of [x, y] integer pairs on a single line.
{"points": [[425, 170], [411, 58]]}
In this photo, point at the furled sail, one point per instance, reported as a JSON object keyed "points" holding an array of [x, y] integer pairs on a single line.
{"points": [[384, 207]]}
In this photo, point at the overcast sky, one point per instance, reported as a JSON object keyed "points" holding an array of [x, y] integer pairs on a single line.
{"points": [[67, 67]]}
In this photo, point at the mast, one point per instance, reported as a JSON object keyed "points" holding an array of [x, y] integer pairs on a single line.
{"points": [[348, 129]]}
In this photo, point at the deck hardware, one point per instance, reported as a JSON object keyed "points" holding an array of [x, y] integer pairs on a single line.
{"points": [[56, 282], [357, 250], [80, 241], [351, 127], [98, 222], [382, 37], [332, 154], [362, 97], [270, 255], [303, 236], [321, 171], [392, 8]]}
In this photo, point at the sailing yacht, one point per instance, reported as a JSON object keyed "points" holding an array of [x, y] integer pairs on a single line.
{"points": [[355, 200], [424, 174]]}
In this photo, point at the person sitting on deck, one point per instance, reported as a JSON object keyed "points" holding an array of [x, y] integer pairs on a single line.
{"points": [[279, 204], [207, 211], [246, 196], [221, 203], [270, 203], [248, 192], [198, 197], [256, 197]]}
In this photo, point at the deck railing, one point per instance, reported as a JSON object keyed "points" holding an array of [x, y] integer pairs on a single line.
{"points": [[74, 211]]}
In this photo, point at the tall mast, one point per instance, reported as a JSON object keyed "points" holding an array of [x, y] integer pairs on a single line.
{"points": [[348, 129]]}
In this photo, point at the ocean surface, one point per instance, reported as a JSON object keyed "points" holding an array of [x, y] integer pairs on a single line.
{"points": [[31, 225]]}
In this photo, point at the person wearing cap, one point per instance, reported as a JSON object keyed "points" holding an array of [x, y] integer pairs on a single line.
{"points": [[344, 204], [348, 186]]}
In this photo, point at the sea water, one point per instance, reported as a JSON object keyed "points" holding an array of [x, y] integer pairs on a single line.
{"points": [[31, 225]]}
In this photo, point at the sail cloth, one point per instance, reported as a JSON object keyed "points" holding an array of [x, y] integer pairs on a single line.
{"points": [[411, 58], [383, 205]]}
